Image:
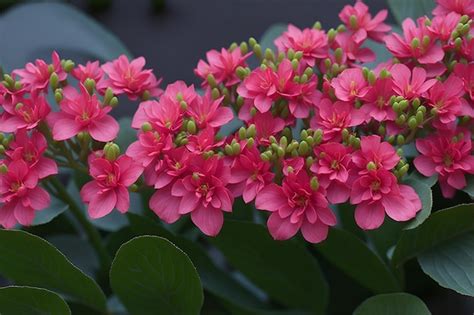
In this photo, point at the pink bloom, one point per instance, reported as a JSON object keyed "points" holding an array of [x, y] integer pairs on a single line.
{"points": [[204, 141], [166, 171], [164, 116], [376, 193], [222, 66], [377, 101], [352, 50], [178, 91], [311, 42], [91, 70], [36, 75], [460, 7], [30, 149], [26, 114], [83, 112], [130, 78], [332, 169], [249, 174], [260, 86], [202, 192], [365, 25], [410, 84], [108, 189], [333, 118], [449, 157], [20, 195], [350, 85], [10, 96], [443, 26], [401, 47], [466, 73], [147, 150], [372, 149], [301, 104], [446, 98], [208, 112], [295, 206], [266, 125]]}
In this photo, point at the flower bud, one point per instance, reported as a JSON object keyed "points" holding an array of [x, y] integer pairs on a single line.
{"points": [[426, 40], [401, 119], [18, 106], [356, 143], [381, 131], [419, 117], [211, 80], [2, 149], [251, 131], [111, 151], [241, 72], [114, 101], [252, 42], [250, 143], [298, 55], [242, 133], [338, 55], [233, 46], [403, 170], [108, 96], [412, 123], [257, 50], [54, 80], [384, 74], [3, 169], [317, 25], [235, 148], [295, 64], [146, 95], [269, 55], [457, 44], [89, 84], [133, 188], [314, 183], [415, 43], [371, 166], [309, 72], [283, 142], [371, 78], [400, 140], [83, 136], [309, 161], [183, 105], [228, 149], [303, 148], [341, 28], [68, 65], [416, 103], [58, 95], [266, 156], [215, 94], [391, 139], [403, 105], [332, 35], [422, 109], [244, 48], [353, 22], [191, 127]]}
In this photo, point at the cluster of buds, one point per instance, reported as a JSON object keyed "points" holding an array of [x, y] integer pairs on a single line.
{"points": [[318, 127]]}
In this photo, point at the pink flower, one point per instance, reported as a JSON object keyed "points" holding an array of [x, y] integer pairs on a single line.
{"points": [[178, 91], [352, 50], [20, 195], [446, 98], [376, 193], [91, 70], [208, 112], [332, 165], [30, 149], [466, 73], [301, 105], [266, 125], [82, 112], [460, 7], [447, 155], [410, 84], [108, 189], [36, 75], [129, 77], [10, 96], [202, 192], [26, 114], [373, 150], [204, 141], [311, 42], [222, 66], [249, 174], [333, 118], [443, 26], [377, 101], [364, 26], [260, 86], [295, 206], [424, 52], [166, 171], [350, 85], [164, 116]]}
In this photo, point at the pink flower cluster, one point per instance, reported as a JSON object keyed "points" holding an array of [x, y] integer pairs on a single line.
{"points": [[317, 127]]}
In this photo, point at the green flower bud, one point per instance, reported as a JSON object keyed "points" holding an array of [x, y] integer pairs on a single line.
{"points": [[244, 48], [309, 161], [298, 55], [371, 166], [356, 143], [211, 80], [18, 106], [391, 139], [241, 72], [384, 74], [215, 94], [257, 50], [434, 111], [382, 130], [332, 35], [317, 25], [228, 149], [183, 105], [250, 143], [251, 131], [399, 98], [191, 127], [146, 127], [415, 43], [280, 152], [2, 149], [338, 55], [89, 85], [3, 169], [353, 22], [419, 117], [233, 46], [457, 44], [412, 123], [111, 151], [266, 156], [295, 64], [403, 105], [68, 65], [341, 28], [114, 101], [304, 78], [464, 19], [416, 103], [309, 72], [54, 80], [422, 109], [303, 148], [242, 133], [314, 183], [396, 107], [401, 119], [403, 170], [426, 40], [400, 140], [58, 95], [371, 78], [283, 142], [252, 42], [269, 55], [108, 96]]}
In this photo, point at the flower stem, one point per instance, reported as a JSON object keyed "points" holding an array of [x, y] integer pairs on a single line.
{"points": [[91, 232]]}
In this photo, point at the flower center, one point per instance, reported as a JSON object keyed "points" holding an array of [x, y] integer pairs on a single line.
{"points": [[448, 160], [375, 186]]}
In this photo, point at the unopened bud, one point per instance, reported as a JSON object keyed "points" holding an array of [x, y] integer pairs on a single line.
{"points": [[2, 149], [3, 169], [400, 140], [251, 131], [252, 42], [295, 63], [332, 35], [241, 72], [314, 183], [371, 166], [404, 169], [68, 65], [211, 80], [384, 74], [89, 84], [426, 40], [108, 96], [215, 94], [269, 55], [257, 50], [58, 95], [317, 25], [191, 127], [412, 123], [183, 105], [303, 148], [111, 151], [338, 55], [415, 43], [242, 133], [244, 48], [371, 78], [250, 143], [146, 95], [228, 149], [54, 80], [353, 22], [419, 117], [309, 161], [114, 101]]}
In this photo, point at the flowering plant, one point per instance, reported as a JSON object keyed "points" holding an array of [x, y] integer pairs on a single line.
{"points": [[305, 140]]}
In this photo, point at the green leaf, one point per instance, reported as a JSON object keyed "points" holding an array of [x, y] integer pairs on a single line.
{"points": [[44, 216], [451, 264], [17, 300], [150, 275], [286, 271], [266, 41], [428, 181], [214, 279], [365, 266], [402, 9], [425, 194], [439, 227], [469, 189], [393, 304], [30, 260], [127, 134], [381, 52], [48, 26]]}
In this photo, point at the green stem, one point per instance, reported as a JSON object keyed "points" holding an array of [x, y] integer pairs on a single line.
{"points": [[91, 232]]}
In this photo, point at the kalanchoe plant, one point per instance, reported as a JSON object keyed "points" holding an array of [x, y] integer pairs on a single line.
{"points": [[320, 134]]}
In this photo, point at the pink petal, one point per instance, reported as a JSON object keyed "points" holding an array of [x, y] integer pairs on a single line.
{"points": [[105, 129], [102, 204], [89, 190], [457, 180], [208, 220], [165, 205], [398, 208], [282, 229], [39, 198], [270, 198], [369, 216], [425, 165], [24, 215], [65, 128], [314, 233], [123, 199]]}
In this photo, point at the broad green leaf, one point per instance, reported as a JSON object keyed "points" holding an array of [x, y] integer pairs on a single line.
{"points": [[352, 256], [381, 52], [469, 189], [150, 275], [17, 300], [214, 279], [48, 26], [30, 260], [402, 9], [266, 41], [439, 227], [127, 134], [428, 181], [44, 216], [425, 194], [393, 304], [286, 271], [451, 264]]}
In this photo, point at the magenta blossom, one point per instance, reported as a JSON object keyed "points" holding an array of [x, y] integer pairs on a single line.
{"points": [[443, 26], [36, 75], [311, 42], [374, 150], [222, 66], [26, 114], [350, 85], [352, 50], [266, 125], [108, 189], [81, 112], [208, 112], [164, 116], [410, 84], [91, 70], [128, 77], [447, 155], [358, 19], [377, 101], [460, 7], [20, 195], [294, 206]]}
